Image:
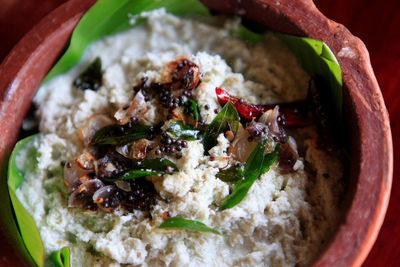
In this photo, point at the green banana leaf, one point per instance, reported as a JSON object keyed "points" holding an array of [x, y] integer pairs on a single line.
{"points": [[15, 174], [105, 18], [60, 258]]}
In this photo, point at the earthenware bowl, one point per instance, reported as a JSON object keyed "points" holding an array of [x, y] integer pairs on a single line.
{"points": [[367, 121]]}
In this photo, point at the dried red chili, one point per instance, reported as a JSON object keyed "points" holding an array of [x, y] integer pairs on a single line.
{"points": [[290, 112]]}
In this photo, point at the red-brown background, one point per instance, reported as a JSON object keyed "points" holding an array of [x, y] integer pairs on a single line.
{"points": [[375, 22]]}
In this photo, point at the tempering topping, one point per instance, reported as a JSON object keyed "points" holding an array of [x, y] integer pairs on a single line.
{"points": [[119, 155], [110, 173]]}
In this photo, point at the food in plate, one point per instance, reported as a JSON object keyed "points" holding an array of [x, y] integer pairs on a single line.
{"points": [[176, 143]]}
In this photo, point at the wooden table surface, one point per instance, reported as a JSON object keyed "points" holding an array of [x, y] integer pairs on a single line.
{"points": [[375, 22]]}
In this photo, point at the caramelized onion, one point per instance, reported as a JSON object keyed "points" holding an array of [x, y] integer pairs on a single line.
{"points": [[137, 108], [72, 173], [82, 196], [107, 197], [112, 164], [272, 119], [242, 147], [181, 73], [84, 178], [94, 123], [139, 149], [123, 150], [124, 185], [85, 161], [258, 131]]}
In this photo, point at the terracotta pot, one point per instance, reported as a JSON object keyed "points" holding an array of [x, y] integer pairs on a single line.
{"points": [[371, 144]]}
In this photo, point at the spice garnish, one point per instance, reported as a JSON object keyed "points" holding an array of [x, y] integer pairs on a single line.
{"points": [[231, 175], [191, 109], [120, 134], [257, 164], [145, 168]]}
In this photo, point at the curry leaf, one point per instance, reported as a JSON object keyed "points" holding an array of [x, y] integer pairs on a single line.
{"points": [[91, 77], [191, 109], [15, 175], [180, 223], [257, 164], [178, 131], [147, 167], [119, 135], [226, 119], [231, 175], [60, 258]]}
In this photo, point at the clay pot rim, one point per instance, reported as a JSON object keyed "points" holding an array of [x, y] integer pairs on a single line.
{"points": [[23, 57]]}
